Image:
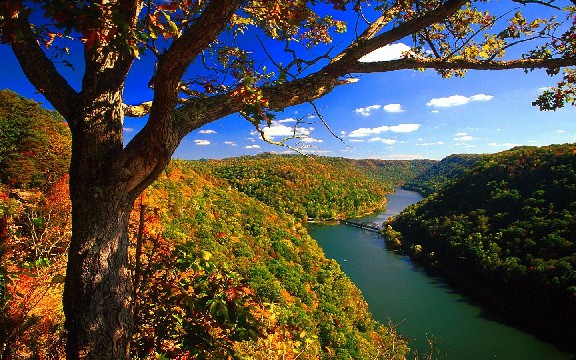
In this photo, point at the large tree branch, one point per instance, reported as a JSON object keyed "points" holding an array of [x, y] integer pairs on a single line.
{"points": [[41, 72], [213, 20], [151, 149], [440, 64], [360, 48]]}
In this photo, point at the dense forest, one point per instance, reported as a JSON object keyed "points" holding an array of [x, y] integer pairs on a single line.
{"points": [[218, 272], [319, 188], [505, 231], [436, 176]]}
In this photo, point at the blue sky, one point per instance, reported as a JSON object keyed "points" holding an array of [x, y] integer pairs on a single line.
{"points": [[400, 115]]}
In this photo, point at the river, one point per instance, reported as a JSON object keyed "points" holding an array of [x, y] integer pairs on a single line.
{"points": [[421, 305]]}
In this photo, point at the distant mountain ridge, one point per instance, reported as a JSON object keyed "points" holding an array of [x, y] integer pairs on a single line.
{"points": [[438, 175]]}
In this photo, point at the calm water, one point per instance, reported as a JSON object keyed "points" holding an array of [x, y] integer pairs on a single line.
{"points": [[421, 305]]}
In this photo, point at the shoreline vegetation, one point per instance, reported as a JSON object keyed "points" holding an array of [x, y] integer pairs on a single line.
{"points": [[503, 231]]}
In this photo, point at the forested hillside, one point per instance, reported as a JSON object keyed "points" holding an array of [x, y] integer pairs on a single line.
{"points": [[506, 231], [321, 188], [216, 273], [436, 176]]}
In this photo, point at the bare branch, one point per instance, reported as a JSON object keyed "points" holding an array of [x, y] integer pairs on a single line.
{"points": [[195, 39], [482, 28], [549, 3], [41, 72], [381, 22], [321, 117]]}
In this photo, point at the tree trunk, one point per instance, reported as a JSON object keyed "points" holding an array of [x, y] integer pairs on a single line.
{"points": [[98, 287]]}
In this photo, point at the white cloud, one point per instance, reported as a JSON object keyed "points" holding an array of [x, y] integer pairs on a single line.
{"points": [[461, 134], [393, 108], [401, 128], [276, 129], [465, 145], [457, 100], [231, 143], [504, 145], [384, 141], [405, 128], [356, 140], [386, 53], [207, 132], [202, 142], [312, 140], [453, 100], [252, 146], [560, 131], [316, 151], [128, 129], [366, 111], [464, 138], [481, 97], [434, 111], [431, 143]]}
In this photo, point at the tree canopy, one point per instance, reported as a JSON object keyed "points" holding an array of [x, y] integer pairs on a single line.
{"points": [[505, 231]]}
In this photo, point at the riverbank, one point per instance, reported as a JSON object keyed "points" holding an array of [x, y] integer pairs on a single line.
{"points": [[492, 297], [420, 305]]}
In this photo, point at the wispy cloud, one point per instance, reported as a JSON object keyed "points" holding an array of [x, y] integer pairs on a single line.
{"points": [[386, 53], [202, 142], [401, 128], [207, 132], [393, 108], [457, 100], [312, 140], [431, 143], [503, 145], [278, 129], [384, 141], [367, 111], [463, 137], [231, 143], [128, 129], [252, 146]]}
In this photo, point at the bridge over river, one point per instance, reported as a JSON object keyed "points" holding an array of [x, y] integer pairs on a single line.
{"points": [[364, 225]]}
